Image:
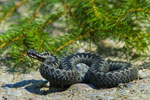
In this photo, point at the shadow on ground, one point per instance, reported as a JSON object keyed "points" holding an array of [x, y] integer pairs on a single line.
{"points": [[35, 86]]}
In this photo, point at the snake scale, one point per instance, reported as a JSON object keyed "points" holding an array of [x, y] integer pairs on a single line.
{"points": [[101, 73]]}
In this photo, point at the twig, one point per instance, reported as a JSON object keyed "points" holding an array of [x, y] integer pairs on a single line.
{"points": [[16, 38], [90, 47], [50, 20], [123, 14], [70, 42], [33, 16], [79, 23], [12, 9], [37, 10], [94, 8], [137, 22], [23, 54]]}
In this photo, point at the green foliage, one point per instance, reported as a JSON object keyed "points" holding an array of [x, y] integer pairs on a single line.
{"points": [[116, 19], [109, 20]]}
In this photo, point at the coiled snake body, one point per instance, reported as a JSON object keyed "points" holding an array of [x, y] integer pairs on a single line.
{"points": [[99, 72]]}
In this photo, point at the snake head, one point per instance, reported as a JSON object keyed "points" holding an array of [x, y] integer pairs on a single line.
{"points": [[35, 55], [41, 56]]}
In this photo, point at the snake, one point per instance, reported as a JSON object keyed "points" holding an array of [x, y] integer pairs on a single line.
{"points": [[101, 73], [119, 72]]}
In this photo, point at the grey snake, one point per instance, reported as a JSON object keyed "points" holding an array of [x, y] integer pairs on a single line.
{"points": [[101, 73]]}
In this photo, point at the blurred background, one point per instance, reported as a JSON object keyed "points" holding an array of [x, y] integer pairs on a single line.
{"points": [[116, 29]]}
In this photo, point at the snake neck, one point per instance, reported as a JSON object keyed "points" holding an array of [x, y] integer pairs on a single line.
{"points": [[52, 62], [48, 69]]}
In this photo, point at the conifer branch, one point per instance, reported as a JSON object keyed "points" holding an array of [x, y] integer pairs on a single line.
{"points": [[2, 45], [147, 11], [12, 9], [32, 17], [41, 42], [84, 18], [79, 23], [23, 54], [37, 10], [65, 5], [76, 20], [14, 39], [70, 42], [51, 20], [94, 8], [137, 21], [123, 14], [48, 21]]}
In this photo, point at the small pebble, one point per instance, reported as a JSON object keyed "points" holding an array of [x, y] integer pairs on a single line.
{"points": [[40, 83], [1, 96], [35, 98], [144, 74], [108, 97], [98, 93], [13, 98], [124, 92], [82, 86], [133, 98], [15, 93], [57, 97]]}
